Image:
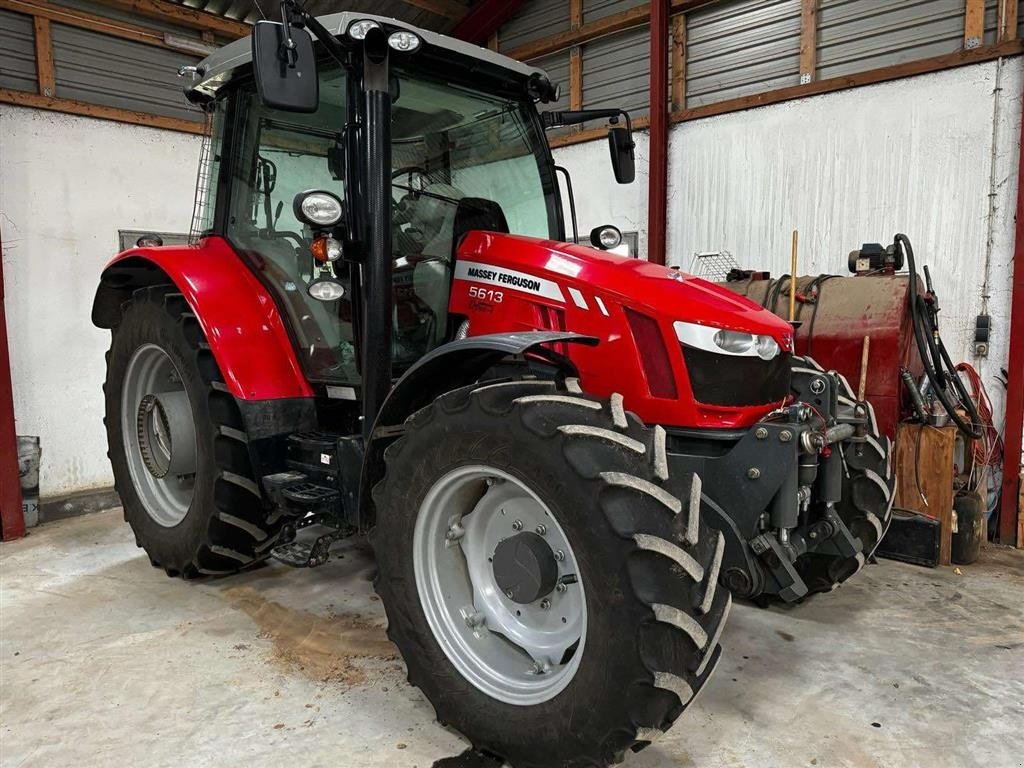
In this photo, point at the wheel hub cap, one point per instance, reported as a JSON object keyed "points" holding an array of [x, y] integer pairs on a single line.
{"points": [[524, 568]]}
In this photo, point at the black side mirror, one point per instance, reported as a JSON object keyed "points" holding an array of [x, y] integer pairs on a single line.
{"points": [[621, 144], [284, 64]]}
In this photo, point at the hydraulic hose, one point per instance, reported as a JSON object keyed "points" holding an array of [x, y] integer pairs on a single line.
{"points": [[937, 366]]}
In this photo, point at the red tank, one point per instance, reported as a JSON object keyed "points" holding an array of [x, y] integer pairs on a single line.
{"points": [[833, 325]]}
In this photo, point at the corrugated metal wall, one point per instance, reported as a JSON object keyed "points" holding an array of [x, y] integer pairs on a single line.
{"points": [[736, 49], [17, 52], [617, 71], [854, 35], [100, 69], [536, 19]]}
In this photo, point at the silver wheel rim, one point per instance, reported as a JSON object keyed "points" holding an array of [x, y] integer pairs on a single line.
{"points": [[158, 431], [517, 653]]}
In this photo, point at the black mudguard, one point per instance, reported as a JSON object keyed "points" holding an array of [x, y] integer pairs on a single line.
{"points": [[443, 369]]}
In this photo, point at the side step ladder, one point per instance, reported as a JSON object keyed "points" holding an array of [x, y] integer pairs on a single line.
{"points": [[311, 505]]}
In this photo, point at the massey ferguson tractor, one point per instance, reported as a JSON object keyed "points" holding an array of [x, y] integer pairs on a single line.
{"points": [[567, 461]]}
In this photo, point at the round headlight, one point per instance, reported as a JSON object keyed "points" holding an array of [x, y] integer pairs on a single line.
{"points": [[736, 342], [318, 209], [767, 348], [325, 289], [358, 30], [403, 41], [606, 237]]}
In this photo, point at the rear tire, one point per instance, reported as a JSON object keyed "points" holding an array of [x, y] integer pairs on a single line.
{"points": [[224, 527], [648, 569]]}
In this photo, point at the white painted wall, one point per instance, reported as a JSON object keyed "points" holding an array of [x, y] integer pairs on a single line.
{"points": [[912, 155], [67, 184]]}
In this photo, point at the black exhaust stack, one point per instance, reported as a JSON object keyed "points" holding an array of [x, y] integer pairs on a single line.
{"points": [[377, 267]]}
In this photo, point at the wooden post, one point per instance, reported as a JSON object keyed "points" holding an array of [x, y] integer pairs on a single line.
{"points": [[576, 61], [44, 57], [808, 40], [864, 352], [678, 62], [974, 23], [1006, 21], [792, 280]]}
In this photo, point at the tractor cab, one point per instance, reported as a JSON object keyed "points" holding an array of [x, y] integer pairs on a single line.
{"points": [[287, 183]]}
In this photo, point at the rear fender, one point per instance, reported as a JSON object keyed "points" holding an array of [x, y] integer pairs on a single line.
{"points": [[448, 367], [238, 315]]}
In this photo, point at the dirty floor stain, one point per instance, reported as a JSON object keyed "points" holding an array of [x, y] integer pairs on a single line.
{"points": [[323, 648]]}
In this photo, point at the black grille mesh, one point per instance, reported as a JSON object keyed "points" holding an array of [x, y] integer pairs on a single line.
{"points": [[737, 381]]}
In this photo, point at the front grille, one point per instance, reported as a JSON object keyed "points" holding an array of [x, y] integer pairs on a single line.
{"points": [[737, 381]]}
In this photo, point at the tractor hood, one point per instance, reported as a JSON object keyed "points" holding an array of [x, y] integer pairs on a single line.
{"points": [[634, 283], [657, 328]]}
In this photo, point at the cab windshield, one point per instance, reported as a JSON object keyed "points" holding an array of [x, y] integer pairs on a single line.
{"points": [[454, 149]]}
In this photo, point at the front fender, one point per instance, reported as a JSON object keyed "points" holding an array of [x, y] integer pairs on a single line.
{"points": [[443, 369], [238, 315]]}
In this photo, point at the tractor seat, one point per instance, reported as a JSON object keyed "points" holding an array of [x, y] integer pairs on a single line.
{"points": [[432, 278], [476, 213]]}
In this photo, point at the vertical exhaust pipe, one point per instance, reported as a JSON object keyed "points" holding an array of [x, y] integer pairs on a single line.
{"points": [[377, 291]]}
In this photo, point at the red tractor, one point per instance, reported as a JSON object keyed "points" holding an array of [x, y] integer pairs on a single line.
{"points": [[566, 461]]}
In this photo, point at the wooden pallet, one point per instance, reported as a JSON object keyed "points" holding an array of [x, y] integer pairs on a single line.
{"points": [[924, 476]]}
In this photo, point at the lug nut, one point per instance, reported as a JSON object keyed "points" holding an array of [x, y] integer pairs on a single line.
{"points": [[561, 588], [455, 533], [559, 555], [545, 603], [509, 594], [753, 473], [517, 525], [760, 433], [541, 529]]}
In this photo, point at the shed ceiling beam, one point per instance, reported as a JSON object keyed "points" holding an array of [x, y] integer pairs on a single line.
{"points": [[183, 15], [74, 107], [616, 22], [450, 9], [484, 19]]}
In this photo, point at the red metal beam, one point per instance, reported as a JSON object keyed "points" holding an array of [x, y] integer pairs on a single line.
{"points": [[12, 522], [1008, 511], [657, 189], [483, 20]]}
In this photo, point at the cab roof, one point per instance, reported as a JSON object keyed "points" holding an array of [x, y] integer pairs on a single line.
{"points": [[217, 69]]}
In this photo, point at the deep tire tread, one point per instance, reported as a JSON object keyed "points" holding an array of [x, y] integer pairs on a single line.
{"points": [[670, 555], [237, 531]]}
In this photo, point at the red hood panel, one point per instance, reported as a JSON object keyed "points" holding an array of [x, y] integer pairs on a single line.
{"points": [[507, 283], [641, 285]]}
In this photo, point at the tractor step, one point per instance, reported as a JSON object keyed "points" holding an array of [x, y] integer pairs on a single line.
{"points": [[296, 494], [306, 554], [309, 495]]}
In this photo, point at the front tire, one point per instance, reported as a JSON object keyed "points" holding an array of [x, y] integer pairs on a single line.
{"points": [[866, 507], [177, 444], [647, 571]]}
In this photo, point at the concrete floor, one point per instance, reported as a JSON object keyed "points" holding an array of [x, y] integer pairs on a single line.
{"points": [[104, 661]]}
